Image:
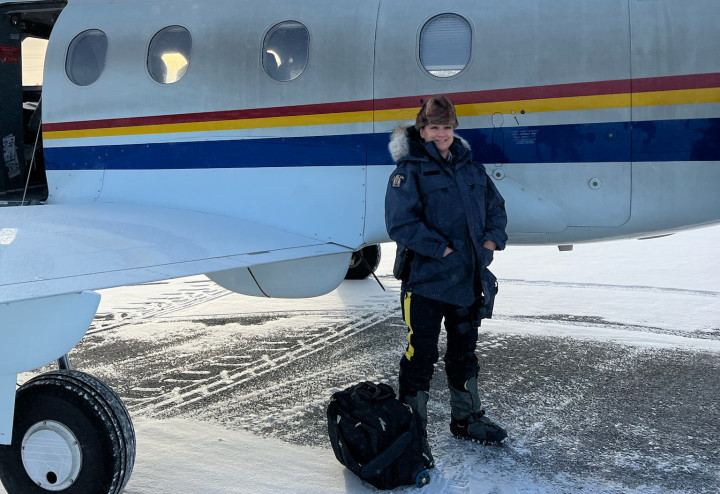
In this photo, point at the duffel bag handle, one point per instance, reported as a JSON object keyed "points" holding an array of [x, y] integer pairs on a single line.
{"points": [[375, 392]]}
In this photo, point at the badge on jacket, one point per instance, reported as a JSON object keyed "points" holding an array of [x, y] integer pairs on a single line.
{"points": [[398, 180]]}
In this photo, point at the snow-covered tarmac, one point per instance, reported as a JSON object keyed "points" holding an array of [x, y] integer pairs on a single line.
{"points": [[602, 363]]}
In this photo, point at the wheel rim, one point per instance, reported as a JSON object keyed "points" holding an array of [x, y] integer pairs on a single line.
{"points": [[51, 455], [355, 260]]}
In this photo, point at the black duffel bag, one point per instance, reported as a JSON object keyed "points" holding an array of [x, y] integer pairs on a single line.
{"points": [[376, 436]]}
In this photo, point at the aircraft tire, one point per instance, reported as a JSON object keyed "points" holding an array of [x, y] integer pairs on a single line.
{"points": [[84, 420], [359, 270]]}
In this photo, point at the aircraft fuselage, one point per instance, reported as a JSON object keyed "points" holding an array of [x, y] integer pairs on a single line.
{"points": [[596, 119]]}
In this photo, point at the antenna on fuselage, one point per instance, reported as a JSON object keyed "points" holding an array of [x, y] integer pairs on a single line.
{"points": [[370, 268]]}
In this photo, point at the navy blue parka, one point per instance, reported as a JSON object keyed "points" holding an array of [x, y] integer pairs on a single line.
{"points": [[431, 204]]}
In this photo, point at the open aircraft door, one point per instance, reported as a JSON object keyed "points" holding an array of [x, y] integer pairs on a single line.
{"points": [[549, 115], [13, 168], [22, 172]]}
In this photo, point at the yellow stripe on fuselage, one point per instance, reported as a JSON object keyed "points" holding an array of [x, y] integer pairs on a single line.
{"points": [[677, 97], [575, 103], [218, 125]]}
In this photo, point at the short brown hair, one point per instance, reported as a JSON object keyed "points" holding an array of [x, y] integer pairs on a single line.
{"points": [[436, 110]]}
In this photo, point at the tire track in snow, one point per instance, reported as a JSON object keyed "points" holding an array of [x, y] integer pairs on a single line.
{"points": [[607, 286], [198, 292], [230, 378], [597, 322], [161, 304]]}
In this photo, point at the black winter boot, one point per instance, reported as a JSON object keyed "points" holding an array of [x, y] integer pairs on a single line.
{"points": [[468, 420], [419, 405]]}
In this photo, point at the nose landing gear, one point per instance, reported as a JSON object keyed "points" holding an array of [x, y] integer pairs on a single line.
{"points": [[71, 434]]}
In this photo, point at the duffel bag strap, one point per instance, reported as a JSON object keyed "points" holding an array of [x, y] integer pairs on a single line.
{"points": [[380, 462], [389, 456], [347, 458]]}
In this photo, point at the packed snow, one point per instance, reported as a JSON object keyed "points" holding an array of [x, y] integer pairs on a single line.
{"points": [[660, 295]]}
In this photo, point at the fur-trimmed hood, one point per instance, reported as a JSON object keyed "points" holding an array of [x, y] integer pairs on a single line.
{"points": [[406, 140]]}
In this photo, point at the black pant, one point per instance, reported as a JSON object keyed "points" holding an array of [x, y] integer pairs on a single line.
{"points": [[424, 316]]}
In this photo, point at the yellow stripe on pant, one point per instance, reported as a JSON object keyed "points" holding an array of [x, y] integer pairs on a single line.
{"points": [[406, 309]]}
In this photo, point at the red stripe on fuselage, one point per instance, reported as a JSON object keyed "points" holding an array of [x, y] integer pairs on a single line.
{"points": [[279, 111], [515, 94], [675, 83], [669, 83]]}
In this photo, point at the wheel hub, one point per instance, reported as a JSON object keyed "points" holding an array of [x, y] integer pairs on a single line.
{"points": [[51, 455], [355, 260]]}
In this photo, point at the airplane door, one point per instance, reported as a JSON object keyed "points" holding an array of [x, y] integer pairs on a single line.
{"points": [[543, 98], [24, 29], [13, 169]]}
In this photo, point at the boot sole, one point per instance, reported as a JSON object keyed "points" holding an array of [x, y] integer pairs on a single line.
{"points": [[484, 442]]}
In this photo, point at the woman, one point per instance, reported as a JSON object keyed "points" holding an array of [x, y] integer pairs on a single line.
{"points": [[446, 211]]}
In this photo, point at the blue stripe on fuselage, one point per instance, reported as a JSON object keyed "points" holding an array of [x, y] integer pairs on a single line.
{"points": [[667, 140]]}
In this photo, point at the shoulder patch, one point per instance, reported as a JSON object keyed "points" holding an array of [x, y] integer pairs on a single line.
{"points": [[398, 180]]}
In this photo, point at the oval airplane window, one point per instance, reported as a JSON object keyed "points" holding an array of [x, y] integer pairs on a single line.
{"points": [[445, 45], [169, 54], [286, 50], [86, 57]]}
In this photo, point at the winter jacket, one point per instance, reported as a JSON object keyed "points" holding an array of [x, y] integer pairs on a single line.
{"points": [[431, 204]]}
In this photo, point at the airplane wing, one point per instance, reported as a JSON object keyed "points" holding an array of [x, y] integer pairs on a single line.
{"points": [[53, 257], [50, 250]]}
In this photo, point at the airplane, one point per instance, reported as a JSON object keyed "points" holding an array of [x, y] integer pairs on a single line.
{"points": [[249, 143]]}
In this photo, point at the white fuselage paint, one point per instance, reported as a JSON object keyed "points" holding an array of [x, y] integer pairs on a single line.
{"points": [[375, 58]]}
